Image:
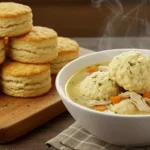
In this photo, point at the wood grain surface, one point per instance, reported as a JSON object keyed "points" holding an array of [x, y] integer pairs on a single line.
{"points": [[19, 116], [36, 139]]}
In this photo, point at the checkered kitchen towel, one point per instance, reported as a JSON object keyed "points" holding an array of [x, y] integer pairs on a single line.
{"points": [[77, 138]]}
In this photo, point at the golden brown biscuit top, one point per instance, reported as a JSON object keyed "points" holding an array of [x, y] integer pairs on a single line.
{"points": [[66, 45], [38, 34], [23, 70], [10, 9]]}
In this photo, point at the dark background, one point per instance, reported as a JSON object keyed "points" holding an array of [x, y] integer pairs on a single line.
{"points": [[82, 18]]}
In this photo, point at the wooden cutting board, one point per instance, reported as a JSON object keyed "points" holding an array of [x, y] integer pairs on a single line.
{"points": [[19, 116]]}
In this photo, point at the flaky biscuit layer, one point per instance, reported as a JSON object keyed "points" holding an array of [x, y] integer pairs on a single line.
{"points": [[29, 86]]}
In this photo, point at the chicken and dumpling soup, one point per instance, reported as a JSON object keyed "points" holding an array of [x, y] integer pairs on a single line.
{"points": [[121, 86]]}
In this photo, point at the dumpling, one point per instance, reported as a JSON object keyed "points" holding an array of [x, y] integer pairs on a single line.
{"points": [[124, 107], [98, 86], [131, 70]]}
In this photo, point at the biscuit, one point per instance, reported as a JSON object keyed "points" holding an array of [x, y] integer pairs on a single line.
{"points": [[56, 67], [68, 50], [25, 80], [2, 50], [38, 46], [15, 19]]}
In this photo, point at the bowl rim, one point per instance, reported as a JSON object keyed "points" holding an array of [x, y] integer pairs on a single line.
{"points": [[63, 95]]}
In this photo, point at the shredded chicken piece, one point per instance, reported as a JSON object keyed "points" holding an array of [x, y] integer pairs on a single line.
{"points": [[137, 100], [100, 102], [147, 100], [103, 68], [125, 95]]}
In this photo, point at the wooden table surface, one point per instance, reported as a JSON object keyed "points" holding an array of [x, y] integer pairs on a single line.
{"points": [[35, 140]]}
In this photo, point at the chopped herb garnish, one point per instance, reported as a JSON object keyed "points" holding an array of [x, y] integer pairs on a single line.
{"points": [[5, 105], [131, 64], [71, 82], [99, 84], [109, 79], [94, 76], [140, 71], [130, 72], [116, 112], [97, 98]]}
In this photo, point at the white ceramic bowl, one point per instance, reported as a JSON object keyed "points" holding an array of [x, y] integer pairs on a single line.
{"points": [[128, 130]]}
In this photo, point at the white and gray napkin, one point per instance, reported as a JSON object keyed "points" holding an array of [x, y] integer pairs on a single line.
{"points": [[77, 138]]}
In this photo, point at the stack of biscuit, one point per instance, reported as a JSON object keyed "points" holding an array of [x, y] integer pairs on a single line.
{"points": [[31, 51]]}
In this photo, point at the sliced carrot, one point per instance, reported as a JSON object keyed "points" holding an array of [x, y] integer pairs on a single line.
{"points": [[100, 107], [146, 95], [115, 99], [91, 69]]}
